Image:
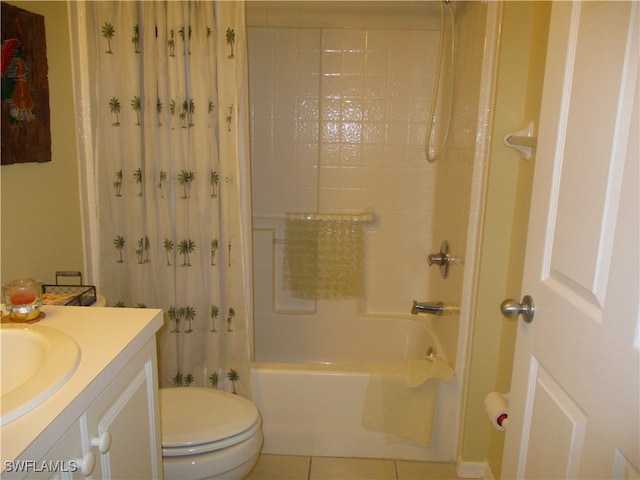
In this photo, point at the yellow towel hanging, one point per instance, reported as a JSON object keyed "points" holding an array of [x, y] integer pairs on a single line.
{"points": [[324, 256]]}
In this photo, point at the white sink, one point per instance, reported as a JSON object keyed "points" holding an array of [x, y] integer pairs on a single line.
{"points": [[36, 361]]}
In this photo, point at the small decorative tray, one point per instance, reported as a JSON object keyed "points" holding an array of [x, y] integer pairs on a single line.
{"points": [[78, 295]]}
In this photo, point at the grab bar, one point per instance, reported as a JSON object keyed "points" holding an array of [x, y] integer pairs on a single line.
{"points": [[367, 216], [433, 308]]}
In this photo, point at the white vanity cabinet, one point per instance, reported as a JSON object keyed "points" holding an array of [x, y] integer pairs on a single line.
{"points": [[117, 437], [122, 426], [110, 428], [59, 463]]}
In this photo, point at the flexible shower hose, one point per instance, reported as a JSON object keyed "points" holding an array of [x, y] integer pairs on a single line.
{"points": [[432, 153]]}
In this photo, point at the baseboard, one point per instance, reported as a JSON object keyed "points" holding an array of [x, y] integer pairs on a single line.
{"points": [[473, 470]]}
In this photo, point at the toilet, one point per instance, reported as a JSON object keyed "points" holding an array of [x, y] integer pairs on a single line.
{"points": [[208, 433]]}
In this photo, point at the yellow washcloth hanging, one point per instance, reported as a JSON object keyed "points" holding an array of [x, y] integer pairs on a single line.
{"points": [[401, 399]]}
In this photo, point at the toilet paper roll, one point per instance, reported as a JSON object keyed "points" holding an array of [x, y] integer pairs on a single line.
{"points": [[497, 410]]}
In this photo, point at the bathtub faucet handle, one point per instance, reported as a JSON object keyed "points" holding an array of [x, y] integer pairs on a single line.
{"points": [[434, 308], [437, 259], [442, 259]]}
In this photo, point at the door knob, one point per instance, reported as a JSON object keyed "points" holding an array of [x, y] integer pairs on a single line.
{"points": [[510, 308]]}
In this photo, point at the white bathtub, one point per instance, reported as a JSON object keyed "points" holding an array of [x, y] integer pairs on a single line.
{"points": [[310, 386]]}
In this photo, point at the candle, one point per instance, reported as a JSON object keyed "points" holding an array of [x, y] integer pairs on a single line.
{"points": [[21, 292], [22, 298]]}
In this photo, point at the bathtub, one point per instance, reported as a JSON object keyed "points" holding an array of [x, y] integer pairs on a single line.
{"points": [[310, 385]]}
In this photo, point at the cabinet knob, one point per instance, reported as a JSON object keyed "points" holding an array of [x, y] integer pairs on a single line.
{"points": [[103, 442], [87, 464]]}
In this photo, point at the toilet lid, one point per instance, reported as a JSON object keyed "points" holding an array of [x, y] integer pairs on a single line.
{"points": [[194, 416]]}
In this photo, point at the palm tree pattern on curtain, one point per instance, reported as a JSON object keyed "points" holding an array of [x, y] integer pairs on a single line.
{"points": [[165, 97]]}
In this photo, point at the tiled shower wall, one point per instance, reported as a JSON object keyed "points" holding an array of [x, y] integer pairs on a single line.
{"points": [[460, 172], [338, 125]]}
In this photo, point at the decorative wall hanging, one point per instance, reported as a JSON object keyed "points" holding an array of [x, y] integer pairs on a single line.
{"points": [[26, 134]]}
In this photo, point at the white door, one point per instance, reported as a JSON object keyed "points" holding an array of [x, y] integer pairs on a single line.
{"points": [[575, 400]]}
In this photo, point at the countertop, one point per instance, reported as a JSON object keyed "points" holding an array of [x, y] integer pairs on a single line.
{"points": [[108, 340]]}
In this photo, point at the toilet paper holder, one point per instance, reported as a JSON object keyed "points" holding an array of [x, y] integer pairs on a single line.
{"points": [[496, 406]]}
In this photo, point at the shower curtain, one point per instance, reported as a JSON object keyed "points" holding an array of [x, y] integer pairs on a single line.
{"points": [[167, 177]]}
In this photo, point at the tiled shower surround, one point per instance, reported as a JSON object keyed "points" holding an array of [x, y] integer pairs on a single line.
{"points": [[339, 119], [340, 98]]}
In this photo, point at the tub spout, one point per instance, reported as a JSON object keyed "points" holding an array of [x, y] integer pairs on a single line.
{"points": [[434, 308]]}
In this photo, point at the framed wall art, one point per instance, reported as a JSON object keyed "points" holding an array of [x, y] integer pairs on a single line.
{"points": [[26, 133]]}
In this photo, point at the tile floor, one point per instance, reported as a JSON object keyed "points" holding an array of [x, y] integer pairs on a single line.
{"points": [[286, 467]]}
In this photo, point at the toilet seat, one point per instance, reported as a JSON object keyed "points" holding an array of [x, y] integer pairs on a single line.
{"points": [[198, 420]]}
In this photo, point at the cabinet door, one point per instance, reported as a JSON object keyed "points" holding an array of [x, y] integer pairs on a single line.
{"points": [[61, 462], [122, 426]]}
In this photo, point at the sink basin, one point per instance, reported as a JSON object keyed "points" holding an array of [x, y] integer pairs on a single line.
{"points": [[35, 361]]}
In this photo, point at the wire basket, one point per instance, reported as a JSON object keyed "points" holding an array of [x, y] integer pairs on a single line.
{"points": [[69, 295]]}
